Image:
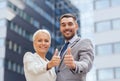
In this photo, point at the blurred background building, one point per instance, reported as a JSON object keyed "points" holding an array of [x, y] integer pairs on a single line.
{"points": [[19, 19], [99, 20], [107, 40]]}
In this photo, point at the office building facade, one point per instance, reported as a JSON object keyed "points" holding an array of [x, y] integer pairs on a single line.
{"points": [[19, 19], [107, 40]]}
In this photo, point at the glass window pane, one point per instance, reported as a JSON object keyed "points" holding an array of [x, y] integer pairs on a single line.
{"points": [[117, 48], [103, 26], [1, 62], [9, 65], [15, 48], [104, 49], [116, 24], [105, 74], [3, 4], [14, 66], [19, 49], [18, 68], [115, 2], [101, 4], [117, 72], [10, 45], [2, 23], [2, 42]]}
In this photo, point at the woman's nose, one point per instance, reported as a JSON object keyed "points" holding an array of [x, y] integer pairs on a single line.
{"points": [[43, 42]]}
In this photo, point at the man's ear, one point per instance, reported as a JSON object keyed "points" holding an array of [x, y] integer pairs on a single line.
{"points": [[76, 26]]}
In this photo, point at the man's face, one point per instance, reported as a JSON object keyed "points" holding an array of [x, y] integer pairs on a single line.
{"points": [[42, 43], [68, 27]]}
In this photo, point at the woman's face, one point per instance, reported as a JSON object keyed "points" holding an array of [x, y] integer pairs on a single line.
{"points": [[42, 43]]}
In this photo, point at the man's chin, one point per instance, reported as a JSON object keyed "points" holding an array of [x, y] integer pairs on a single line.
{"points": [[67, 37]]}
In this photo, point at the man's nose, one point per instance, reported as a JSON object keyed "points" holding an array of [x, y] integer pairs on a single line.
{"points": [[67, 27]]}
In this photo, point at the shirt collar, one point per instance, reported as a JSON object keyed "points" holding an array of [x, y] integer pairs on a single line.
{"points": [[73, 39]]}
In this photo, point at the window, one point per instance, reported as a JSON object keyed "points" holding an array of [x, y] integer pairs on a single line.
{"points": [[18, 68], [15, 47], [22, 70], [20, 31], [117, 48], [117, 72], [36, 23], [2, 42], [1, 62], [103, 26], [14, 67], [10, 45], [101, 4], [9, 65], [19, 50], [115, 2], [104, 49], [104, 74], [2, 22], [11, 26], [116, 24], [3, 3]]}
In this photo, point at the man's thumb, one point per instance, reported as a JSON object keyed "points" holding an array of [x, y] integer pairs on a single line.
{"points": [[69, 51], [56, 52]]}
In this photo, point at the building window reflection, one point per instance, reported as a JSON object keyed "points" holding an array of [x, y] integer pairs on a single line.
{"points": [[2, 42], [108, 73], [116, 24], [115, 2], [105, 74], [101, 4], [104, 49], [117, 48], [103, 26], [117, 73]]}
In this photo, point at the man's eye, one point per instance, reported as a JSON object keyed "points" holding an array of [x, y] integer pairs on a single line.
{"points": [[63, 25], [70, 24]]}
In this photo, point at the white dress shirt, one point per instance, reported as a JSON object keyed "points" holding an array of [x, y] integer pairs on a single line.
{"points": [[35, 68]]}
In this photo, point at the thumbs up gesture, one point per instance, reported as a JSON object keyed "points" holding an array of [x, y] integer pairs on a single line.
{"points": [[55, 61], [69, 60]]}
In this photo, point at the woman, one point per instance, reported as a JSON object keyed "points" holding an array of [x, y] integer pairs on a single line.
{"points": [[36, 66]]}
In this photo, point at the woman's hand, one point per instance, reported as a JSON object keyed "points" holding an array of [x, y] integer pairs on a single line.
{"points": [[55, 61]]}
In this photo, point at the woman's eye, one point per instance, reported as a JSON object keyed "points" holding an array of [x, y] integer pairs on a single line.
{"points": [[46, 40], [39, 40]]}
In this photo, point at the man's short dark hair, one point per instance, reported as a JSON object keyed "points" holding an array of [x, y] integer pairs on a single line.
{"points": [[67, 16]]}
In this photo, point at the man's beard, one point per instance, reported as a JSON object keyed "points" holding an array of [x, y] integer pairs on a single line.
{"points": [[68, 38]]}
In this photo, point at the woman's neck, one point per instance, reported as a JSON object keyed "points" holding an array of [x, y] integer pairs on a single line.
{"points": [[42, 55]]}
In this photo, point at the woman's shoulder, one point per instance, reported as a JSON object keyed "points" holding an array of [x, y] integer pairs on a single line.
{"points": [[28, 56]]}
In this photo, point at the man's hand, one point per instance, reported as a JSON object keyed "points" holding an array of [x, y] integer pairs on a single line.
{"points": [[55, 61], [69, 60]]}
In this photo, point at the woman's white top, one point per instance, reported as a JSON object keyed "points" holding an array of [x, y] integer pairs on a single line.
{"points": [[35, 68]]}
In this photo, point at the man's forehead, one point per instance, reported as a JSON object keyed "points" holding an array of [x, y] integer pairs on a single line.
{"points": [[70, 19]]}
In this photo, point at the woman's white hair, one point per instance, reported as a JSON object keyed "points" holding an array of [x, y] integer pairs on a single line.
{"points": [[41, 30]]}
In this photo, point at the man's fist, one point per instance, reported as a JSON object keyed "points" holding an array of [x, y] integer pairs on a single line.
{"points": [[69, 60]]}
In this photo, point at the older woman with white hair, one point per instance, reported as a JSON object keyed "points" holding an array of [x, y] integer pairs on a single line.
{"points": [[36, 66]]}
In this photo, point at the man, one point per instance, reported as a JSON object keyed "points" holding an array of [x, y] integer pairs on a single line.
{"points": [[77, 59]]}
